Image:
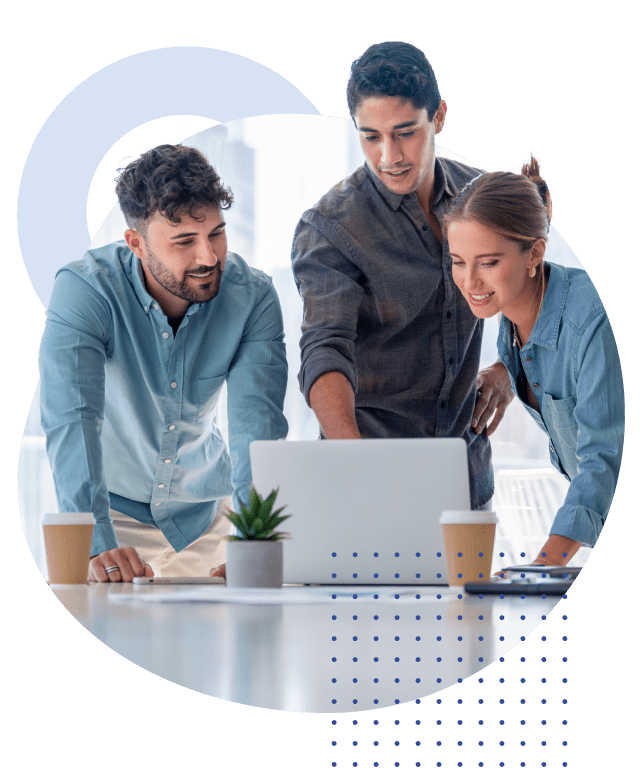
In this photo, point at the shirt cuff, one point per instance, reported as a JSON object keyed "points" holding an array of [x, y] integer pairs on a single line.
{"points": [[241, 495], [104, 538], [578, 523], [323, 361]]}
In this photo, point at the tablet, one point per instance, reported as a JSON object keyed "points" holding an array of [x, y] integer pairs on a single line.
{"points": [[499, 587], [544, 571], [178, 581]]}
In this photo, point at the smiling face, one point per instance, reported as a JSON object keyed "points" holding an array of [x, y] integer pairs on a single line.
{"points": [[182, 262], [493, 272], [398, 143]]}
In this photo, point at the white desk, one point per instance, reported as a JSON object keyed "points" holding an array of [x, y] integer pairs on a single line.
{"points": [[288, 656]]}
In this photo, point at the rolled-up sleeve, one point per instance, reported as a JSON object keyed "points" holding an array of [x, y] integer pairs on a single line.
{"points": [[599, 414], [72, 360], [330, 285], [256, 385]]}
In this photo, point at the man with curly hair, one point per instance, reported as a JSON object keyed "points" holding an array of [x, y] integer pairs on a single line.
{"points": [[141, 335], [389, 347]]}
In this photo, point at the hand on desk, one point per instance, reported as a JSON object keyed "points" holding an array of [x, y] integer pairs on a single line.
{"points": [[127, 560], [557, 551], [502, 574], [219, 571], [494, 395]]}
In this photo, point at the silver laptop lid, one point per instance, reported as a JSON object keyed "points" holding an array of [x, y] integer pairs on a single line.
{"points": [[364, 511]]}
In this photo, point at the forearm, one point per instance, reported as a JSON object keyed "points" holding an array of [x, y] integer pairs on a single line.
{"points": [[331, 287], [253, 416], [256, 385], [332, 399], [595, 428], [72, 406], [557, 551]]}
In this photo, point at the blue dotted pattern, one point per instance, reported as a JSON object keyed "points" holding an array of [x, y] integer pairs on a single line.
{"points": [[370, 574], [428, 742]]}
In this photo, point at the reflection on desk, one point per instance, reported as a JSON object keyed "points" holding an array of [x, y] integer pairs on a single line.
{"points": [[337, 657]]}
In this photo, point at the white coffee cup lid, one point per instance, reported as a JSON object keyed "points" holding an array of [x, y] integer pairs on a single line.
{"points": [[467, 516], [68, 518]]}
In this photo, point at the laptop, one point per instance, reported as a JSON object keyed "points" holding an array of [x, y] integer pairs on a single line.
{"points": [[363, 512]]}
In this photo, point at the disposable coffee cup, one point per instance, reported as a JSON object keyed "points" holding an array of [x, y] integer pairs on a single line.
{"points": [[67, 539], [468, 544]]}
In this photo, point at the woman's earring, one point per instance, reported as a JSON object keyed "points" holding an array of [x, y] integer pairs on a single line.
{"points": [[532, 272]]}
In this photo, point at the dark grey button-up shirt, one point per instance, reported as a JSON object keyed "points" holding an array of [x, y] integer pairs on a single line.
{"points": [[380, 306]]}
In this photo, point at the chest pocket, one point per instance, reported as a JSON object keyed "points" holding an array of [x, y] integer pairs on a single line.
{"points": [[208, 394], [562, 422]]}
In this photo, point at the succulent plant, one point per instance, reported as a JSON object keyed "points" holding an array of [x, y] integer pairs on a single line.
{"points": [[258, 520]]}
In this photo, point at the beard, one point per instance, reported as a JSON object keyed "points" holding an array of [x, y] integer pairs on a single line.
{"points": [[188, 288]]}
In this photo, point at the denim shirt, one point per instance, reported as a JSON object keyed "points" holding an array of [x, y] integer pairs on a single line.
{"points": [[129, 409], [381, 307], [572, 366]]}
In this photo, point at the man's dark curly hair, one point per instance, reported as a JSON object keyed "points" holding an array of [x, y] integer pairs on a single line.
{"points": [[393, 68], [169, 179]]}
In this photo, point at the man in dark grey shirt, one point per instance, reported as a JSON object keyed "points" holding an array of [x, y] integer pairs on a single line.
{"points": [[389, 346]]}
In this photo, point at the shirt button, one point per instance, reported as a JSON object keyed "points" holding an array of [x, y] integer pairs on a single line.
{"points": [[448, 315], [424, 227], [155, 305], [172, 427], [174, 385], [442, 405], [146, 308], [528, 359], [167, 460], [450, 361], [535, 384], [161, 485], [165, 335], [158, 503]]}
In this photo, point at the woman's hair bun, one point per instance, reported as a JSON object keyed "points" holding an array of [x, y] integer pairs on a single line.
{"points": [[532, 172]]}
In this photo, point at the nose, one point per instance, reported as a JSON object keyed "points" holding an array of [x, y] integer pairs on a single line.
{"points": [[467, 278], [391, 153], [473, 278], [205, 254]]}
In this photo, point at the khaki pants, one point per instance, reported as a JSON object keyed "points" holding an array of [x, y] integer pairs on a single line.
{"points": [[196, 560]]}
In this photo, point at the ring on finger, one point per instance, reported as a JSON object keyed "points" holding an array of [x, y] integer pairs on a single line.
{"points": [[109, 569]]}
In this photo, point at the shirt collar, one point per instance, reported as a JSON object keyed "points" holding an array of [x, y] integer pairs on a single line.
{"points": [[441, 186], [133, 270], [547, 328]]}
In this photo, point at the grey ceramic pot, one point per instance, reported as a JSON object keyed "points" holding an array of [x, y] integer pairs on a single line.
{"points": [[254, 564]]}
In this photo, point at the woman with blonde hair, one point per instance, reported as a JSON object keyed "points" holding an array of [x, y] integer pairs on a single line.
{"points": [[554, 339]]}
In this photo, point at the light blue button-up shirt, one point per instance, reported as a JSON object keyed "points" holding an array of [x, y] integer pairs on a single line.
{"points": [[573, 368], [128, 408]]}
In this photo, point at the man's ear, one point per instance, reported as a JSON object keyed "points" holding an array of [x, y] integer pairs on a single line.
{"points": [[135, 242], [439, 116]]}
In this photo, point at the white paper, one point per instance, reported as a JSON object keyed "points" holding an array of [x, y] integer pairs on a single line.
{"points": [[286, 595]]}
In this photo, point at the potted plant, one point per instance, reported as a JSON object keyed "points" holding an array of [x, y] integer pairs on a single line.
{"points": [[254, 558]]}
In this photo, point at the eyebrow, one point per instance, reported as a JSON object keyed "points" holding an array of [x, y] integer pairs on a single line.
{"points": [[411, 123], [195, 233], [478, 257]]}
